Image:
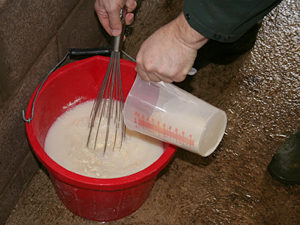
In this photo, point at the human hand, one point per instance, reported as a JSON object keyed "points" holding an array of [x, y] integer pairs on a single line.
{"points": [[169, 53], [108, 12]]}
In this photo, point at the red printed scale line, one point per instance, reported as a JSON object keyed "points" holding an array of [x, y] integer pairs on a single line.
{"points": [[162, 130]]}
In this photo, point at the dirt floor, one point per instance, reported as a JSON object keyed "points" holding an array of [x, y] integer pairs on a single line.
{"points": [[260, 93]]}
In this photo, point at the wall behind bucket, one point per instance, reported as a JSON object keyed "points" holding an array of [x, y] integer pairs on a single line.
{"points": [[29, 48]]}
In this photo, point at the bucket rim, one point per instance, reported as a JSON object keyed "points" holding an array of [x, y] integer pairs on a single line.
{"points": [[104, 184]]}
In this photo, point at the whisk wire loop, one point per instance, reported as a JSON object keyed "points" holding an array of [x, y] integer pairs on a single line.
{"points": [[108, 106], [107, 109]]}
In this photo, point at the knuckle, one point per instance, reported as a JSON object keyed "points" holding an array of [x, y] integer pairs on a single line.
{"points": [[149, 66]]}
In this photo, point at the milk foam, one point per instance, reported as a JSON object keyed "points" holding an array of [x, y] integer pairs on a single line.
{"points": [[66, 144]]}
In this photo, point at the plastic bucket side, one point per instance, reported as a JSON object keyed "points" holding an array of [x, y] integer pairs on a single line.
{"points": [[88, 197], [102, 205]]}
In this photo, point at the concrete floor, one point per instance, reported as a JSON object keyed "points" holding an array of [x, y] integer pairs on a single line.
{"points": [[260, 92]]}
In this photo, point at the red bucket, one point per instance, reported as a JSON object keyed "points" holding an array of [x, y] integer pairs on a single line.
{"points": [[91, 198]]}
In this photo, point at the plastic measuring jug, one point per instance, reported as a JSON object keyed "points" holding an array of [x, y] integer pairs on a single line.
{"points": [[170, 114]]}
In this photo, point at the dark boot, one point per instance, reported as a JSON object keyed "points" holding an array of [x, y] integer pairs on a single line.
{"points": [[225, 53], [285, 164]]}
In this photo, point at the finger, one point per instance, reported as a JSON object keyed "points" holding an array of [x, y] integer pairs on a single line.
{"points": [[115, 21], [179, 78], [103, 16], [154, 77], [165, 79], [161, 77], [105, 23], [129, 18], [142, 74], [131, 5]]}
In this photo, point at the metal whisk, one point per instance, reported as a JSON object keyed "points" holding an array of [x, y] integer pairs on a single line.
{"points": [[107, 109]]}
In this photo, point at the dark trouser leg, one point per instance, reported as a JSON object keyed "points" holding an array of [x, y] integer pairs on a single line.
{"points": [[225, 53], [285, 164]]}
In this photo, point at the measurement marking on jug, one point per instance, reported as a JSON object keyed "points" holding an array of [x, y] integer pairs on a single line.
{"points": [[163, 129]]}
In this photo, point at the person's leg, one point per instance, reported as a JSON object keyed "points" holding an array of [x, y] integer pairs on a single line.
{"points": [[285, 164], [225, 53]]}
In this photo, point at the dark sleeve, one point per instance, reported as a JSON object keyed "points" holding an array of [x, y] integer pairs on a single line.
{"points": [[225, 20]]}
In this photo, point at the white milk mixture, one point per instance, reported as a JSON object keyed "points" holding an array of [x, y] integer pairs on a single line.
{"points": [[66, 144]]}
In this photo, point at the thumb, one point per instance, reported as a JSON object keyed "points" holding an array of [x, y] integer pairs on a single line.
{"points": [[115, 22]]}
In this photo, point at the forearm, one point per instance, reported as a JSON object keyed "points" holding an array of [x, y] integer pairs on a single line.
{"points": [[225, 20], [186, 34]]}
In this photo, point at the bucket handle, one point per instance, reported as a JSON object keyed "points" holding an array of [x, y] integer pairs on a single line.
{"points": [[72, 53]]}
